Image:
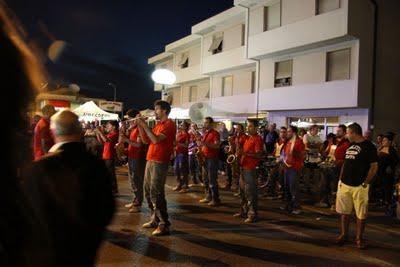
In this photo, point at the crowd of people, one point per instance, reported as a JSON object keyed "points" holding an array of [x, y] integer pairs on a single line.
{"points": [[345, 172], [56, 208]]}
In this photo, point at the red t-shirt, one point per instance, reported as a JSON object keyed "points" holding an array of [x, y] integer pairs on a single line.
{"points": [[340, 151], [42, 132], [240, 140], [210, 136], [295, 158], [135, 152], [253, 144], [109, 146], [181, 138], [161, 152]]}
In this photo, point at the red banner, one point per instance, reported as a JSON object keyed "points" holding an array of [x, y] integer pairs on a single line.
{"points": [[60, 103]]}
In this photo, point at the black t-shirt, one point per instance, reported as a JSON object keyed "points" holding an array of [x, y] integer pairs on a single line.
{"points": [[357, 162]]}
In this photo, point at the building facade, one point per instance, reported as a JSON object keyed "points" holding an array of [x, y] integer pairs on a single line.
{"points": [[298, 62]]}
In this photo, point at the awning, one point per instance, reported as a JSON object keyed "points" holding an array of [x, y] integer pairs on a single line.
{"points": [[184, 58], [91, 112], [216, 43]]}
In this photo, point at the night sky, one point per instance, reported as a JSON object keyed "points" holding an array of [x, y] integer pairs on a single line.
{"points": [[110, 41]]}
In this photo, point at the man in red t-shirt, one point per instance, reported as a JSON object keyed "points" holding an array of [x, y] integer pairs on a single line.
{"points": [[210, 152], [250, 158], [330, 176], [161, 147], [181, 159], [293, 158], [109, 141], [43, 138], [240, 138], [136, 161]]}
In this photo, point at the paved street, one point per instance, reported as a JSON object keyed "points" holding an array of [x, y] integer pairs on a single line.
{"points": [[204, 236]]}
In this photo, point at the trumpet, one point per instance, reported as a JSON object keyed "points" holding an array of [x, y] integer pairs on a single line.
{"points": [[138, 118]]}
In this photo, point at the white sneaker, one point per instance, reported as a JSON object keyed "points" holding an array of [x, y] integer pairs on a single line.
{"points": [[128, 206], [296, 212]]}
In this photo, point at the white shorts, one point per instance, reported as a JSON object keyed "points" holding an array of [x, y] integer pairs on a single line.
{"points": [[352, 197]]}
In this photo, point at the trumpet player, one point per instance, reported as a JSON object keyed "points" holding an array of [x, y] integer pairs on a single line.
{"points": [[210, 151], [109, 140], [250, 157], [181, 159], [136, 161], [161, 147]]}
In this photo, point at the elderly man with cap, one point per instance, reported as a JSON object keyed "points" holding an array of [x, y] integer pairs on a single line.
{"points": [[64, 189]]}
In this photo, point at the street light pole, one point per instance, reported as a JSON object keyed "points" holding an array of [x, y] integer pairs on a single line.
{"points": [[115, 91]]}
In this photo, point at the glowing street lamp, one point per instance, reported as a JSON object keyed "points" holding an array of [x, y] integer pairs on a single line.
{"points": [[163, 77]]}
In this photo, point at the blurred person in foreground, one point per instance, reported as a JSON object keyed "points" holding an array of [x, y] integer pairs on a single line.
{"points": [[63, 187], [20, 72]]}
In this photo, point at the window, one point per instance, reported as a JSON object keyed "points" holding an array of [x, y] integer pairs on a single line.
{"points": [[338, 65], [324, 6], [272, 16], [283, 73], [217, 44], [253, 82], [227, 86], [193, 94], [184, 62], [243, 34]]}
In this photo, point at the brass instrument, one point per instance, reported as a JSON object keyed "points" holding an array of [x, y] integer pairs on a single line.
{"points": [[121, 152], [138, 118], [232, 158], [228, 149]]}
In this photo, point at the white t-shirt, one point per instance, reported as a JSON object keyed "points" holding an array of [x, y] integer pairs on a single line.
{"points": [[312, 153]]}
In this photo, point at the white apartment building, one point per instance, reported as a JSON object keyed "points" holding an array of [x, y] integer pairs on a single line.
{"points": [[297, 61]]}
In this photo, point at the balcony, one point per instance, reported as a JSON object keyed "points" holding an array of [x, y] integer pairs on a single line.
{"points": [[227, 60], [308, 32], [335, 94]]}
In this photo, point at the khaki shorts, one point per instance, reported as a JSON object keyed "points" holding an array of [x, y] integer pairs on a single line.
{"points": [[349, 197]]}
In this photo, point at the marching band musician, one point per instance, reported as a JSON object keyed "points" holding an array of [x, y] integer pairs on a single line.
{"points": [[210, 151], [194, 167], [161, 147], [240, 138], [136, 161], [229, 152], [250, 157], [330, 176], [277, 171], [109, 141], [293, 158], [181, 159], [313, 144]]}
